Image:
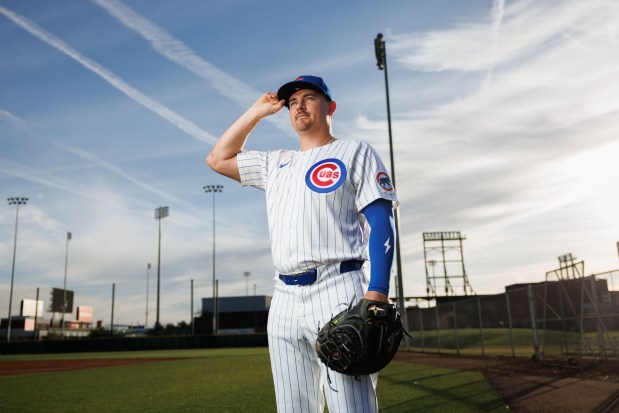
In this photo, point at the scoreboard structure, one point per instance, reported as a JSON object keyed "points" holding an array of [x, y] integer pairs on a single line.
{"points": [[61, 301]]}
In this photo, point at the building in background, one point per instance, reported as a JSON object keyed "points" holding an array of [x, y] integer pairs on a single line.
{"points": [[237, 315]]}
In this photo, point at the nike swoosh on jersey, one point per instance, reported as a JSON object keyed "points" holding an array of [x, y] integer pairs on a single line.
{"points": [[281, 165]]}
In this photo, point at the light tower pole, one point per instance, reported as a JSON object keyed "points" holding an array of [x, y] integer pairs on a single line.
{"points": [[64, 287], [213, 189], [381, 62], [160, 213], [17, 202], [147, 282], [246, 274]]}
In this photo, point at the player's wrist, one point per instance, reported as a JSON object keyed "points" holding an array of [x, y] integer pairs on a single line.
{"points": [[254, 115], [377, 296]]}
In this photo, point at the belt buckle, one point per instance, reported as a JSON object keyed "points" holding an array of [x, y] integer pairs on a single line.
{"points": [[299, 279]]}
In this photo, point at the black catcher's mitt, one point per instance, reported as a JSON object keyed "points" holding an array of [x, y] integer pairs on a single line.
{"points": [[362, 339]]}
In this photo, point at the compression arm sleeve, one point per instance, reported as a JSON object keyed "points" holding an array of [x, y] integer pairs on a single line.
{"points": [[379, 215]]}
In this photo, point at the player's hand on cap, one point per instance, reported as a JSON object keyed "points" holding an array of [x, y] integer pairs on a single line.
{"points": [[268, 104]]}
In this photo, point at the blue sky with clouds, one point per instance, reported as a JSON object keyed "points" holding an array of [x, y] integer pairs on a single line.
{"points": [[504, 119]]}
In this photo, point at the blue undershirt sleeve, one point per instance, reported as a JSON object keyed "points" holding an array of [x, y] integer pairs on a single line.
{"points": [[380, 217]]}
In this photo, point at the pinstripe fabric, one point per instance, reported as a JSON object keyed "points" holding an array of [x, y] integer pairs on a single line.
{"points": [[294, 319], [307, 228], [314, 199]]}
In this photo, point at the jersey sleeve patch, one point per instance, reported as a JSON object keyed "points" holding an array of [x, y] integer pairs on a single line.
{"points": [[384, 181]]}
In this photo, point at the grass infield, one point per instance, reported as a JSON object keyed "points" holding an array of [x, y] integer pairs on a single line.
{"points": [[221, 380]]}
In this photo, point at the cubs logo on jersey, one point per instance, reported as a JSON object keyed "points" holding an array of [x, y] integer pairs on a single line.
{"points": [[383, 180], [326, 176]]}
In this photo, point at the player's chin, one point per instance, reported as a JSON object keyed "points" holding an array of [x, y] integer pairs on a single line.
{"points": [[302, 124], [302, 127]]}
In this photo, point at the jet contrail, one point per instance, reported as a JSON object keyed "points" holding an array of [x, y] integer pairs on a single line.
{"points": [[165, 44], [118, 171], [12, 168], [159, 109], [498, 10], [175, 50], [9, 117]]}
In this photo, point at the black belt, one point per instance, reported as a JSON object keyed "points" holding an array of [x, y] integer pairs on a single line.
{"points": [[309, 277]]}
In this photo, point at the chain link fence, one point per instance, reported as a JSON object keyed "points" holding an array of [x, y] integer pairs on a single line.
{"points": [[571, 317]]}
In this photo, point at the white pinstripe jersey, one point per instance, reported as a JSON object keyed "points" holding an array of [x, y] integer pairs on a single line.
{"points": [[314, 198]]}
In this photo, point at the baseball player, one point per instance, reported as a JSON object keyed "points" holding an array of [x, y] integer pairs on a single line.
{"points": [[330, 209]]}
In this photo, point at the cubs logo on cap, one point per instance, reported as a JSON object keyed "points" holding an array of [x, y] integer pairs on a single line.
{"points": [[383, 180], [326, 175]]}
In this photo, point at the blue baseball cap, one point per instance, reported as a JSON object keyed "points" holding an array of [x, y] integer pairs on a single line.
{"points": [[303, 82]]}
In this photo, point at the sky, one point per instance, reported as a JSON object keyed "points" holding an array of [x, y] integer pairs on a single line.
{"points": [[504, 119]]}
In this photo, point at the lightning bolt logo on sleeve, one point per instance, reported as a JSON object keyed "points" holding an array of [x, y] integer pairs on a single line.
{"points": [[387, 245]]}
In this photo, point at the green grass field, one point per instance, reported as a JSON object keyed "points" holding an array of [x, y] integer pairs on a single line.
{"points": [[222, 380], [497, 342]]}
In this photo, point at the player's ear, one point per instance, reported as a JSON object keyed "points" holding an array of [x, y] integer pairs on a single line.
{"points": [[332, 107]]}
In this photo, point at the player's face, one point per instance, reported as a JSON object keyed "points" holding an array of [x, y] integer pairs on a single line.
{"points": [[308, 109]]}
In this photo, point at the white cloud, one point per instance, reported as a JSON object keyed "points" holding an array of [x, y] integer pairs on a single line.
{"points": [[522, 149]]}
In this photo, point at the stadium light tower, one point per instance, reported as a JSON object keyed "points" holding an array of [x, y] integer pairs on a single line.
{"points": [[246, 274], [147, 282], [160, 213], [17, 202], [64, 288], [381, 62], [213, 189]]}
